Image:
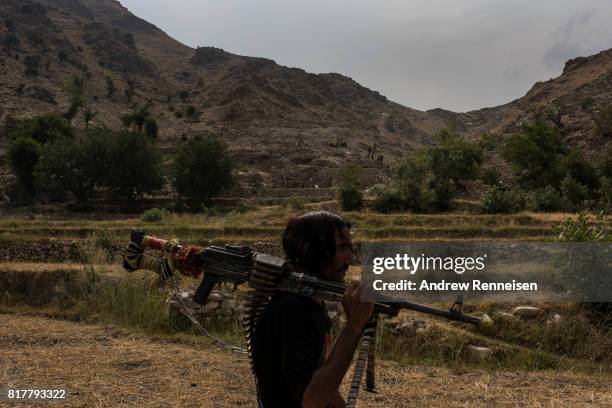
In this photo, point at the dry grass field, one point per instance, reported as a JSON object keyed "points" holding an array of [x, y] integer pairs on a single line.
{"points": [[103, 366], [113, 346]]}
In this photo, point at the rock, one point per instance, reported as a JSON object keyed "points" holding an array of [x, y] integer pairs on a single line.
{"points": [[486, 320], [506, 315], [481, 353], [526, 311]]}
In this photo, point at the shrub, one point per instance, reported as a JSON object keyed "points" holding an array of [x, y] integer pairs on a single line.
{"points": [[296, 203], [350, 196], [587, 103], [589, 279], [153, 215], [23, 154], [574, 193], [202, 169], [603, 120], [605, 193], [580, 169], [490, 176], [151, 128], [138, 116], [501, 200], [412, 189], [43, 128], [546, 199]]}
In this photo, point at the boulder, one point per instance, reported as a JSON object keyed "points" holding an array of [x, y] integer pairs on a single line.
{"points": [[479, 353], [526, 311]]}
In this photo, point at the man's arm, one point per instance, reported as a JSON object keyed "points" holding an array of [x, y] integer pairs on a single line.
{"points": [[323, 386]]}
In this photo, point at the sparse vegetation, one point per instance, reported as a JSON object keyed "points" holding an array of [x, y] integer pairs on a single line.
{"points": [[296, 203], [603, 120], [153, 215]]}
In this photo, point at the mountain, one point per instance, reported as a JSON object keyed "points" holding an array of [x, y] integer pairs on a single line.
{"points": [[286, 128]]}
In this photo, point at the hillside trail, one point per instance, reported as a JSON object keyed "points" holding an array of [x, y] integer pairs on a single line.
{"points": [[102, 366]]}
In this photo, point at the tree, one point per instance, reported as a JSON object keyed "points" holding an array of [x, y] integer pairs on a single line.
{"points": [[536, 155], [76, 94], [42, 128], [134, 164], [450, 161], [137, 117], [150, 127], [202, 169], [24, 153], [77, 166], [349, 188]]}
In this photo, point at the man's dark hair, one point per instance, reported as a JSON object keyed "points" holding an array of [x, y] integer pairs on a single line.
{"points": [[309, 239]]}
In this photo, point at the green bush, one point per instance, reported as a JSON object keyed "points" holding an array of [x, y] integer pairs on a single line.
{"points": [[413, 188], [349, 192], [590, 279], [580, 169], [605, 193], [573, 193], [42, 128], [153, 215], [502, 201], [350, 198], [125, 164], [202, 169], [536, 155], [71, 166], [296, 203], [23, 155], [490, 176], [547, 199]]}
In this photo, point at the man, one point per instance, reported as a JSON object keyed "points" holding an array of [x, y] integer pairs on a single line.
{"points": [[294, 363]]}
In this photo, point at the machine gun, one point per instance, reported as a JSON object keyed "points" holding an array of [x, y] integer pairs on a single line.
{"points": [[266, 275]]}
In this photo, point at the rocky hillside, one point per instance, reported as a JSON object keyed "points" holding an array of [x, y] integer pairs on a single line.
{"points": [[286, 128]]}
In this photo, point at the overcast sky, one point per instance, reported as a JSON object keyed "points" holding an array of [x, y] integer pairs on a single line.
{"points": [[454, 54]]}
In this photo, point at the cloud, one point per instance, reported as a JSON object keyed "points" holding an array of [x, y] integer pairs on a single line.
{"points": [[454, 54]]}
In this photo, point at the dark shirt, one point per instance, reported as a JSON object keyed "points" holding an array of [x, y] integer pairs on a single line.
{"points": [[291, 341]]}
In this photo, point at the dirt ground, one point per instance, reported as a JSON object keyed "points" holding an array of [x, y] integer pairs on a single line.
{"points": [[101, 366]]}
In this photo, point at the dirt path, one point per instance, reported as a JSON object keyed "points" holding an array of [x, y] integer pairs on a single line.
{"points": [[103, 368]]}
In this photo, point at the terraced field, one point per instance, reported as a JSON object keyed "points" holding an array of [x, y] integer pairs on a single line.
{"points": [[70, 316]]}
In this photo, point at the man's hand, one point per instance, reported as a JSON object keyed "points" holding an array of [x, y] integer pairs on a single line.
{"points": [[358, 313]]}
